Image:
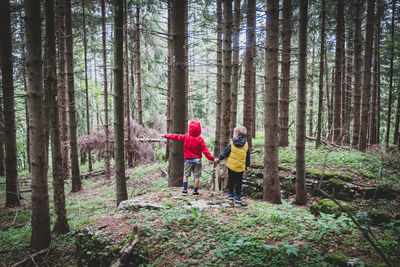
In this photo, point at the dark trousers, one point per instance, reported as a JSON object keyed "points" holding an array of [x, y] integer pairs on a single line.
{"points": [[235, 181]]}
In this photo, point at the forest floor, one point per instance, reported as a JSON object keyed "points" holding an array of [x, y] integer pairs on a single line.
{"points": [[168, 229]]}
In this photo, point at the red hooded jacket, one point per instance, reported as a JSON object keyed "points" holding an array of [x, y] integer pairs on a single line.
{"points": [[193, 143]]}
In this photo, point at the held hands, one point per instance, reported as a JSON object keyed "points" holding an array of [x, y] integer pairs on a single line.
{"points": [[216, 160]]}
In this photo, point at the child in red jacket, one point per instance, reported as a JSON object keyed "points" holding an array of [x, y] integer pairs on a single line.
{"points": [[193, 148]]}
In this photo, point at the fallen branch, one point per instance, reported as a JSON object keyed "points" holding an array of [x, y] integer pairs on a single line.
{"points": [[31, 257], [127, 250]]}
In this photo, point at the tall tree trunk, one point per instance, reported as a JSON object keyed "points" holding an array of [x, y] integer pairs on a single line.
{"points": [[69, 52], [2, 170], [343, 88], [12, 186], [120, 179], [349, 73], [362, 144], [61, 79], [177, 91], [138, 67], [285, 70], [357, 71], [330, 105], [374, 96], [396, 125], [186, 68], [249, 69], [106, 126], [227, 71], [235, 63], [40, 220], [86, 81], [219, 80], [321, 75], [301, 195], [169, 82], [338, 69], [311, 103], [127, 93], [61, 224], [271, 190]]}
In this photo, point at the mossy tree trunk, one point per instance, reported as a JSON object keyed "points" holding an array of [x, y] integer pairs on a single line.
{"points": [[301, 194], [61, 224], [40, 220], [219, 80], [12, 186], [271, 190]]}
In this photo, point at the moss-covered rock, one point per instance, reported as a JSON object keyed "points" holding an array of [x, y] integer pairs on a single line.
{"points": [[337, 259], [380, 192], [285, 168], [314, 174], [328, 206], [379, 217], [256, 195], [341, 190], [255, 165]]}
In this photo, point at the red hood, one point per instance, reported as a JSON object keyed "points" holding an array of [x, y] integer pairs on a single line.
{"points": [[195, 128]]}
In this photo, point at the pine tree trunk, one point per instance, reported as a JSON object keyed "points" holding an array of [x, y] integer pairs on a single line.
{"points": [[186, 69], [285, 70], [175, 171], [321, 76], [338, 70], [169, 82], [218, 103], [396, 125], [329, 97], [127, 93], [86, 81], [61, 79], [12, 186], [249, 70], [362, 144], [235, 63], [227, 71], [301, 195], [61, 224], [120, 179], [106, 126], [349, 75], [271, 190], [2, 170], [138, 67], [357, 72], [69, 52], [40, 220], [311, 103]]}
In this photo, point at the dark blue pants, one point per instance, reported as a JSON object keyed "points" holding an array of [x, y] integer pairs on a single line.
{"points": [[235, 181]]}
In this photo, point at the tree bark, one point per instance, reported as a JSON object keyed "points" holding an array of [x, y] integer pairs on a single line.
{"points": [[321, 76], [69, 52], [12, 186], [106, 126], [127, 93], [61, 224], [61, 79], [40, 220], [357, 71], [86, 81], [186, 69], [2, 170], [271, 190], [175, 170], [349, 76], [219, 80], [396, 125], [301, 194], [235, 63], [169, 82], [249, 71], [338, 70], [362, 144], [120, 179], [138, 67], [311, 103], [285, 70]]}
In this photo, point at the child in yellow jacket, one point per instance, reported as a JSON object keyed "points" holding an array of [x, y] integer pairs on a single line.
{"points": [[238, 159]]}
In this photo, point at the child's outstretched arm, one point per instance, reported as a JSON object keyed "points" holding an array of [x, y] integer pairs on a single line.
{"points": [[205, 151], [177, 137]]}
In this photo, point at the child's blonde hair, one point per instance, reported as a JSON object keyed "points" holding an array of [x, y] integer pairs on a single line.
{"points": [[240, 131]]}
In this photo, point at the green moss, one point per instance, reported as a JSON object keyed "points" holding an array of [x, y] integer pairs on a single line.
{"points": [[256, 195], [328, 206], [314, 174], [380, 192], [379, 217], [284, 168], [255, 165], [337, 259]]}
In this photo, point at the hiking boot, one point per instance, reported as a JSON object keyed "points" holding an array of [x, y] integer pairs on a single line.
{"points": [[238, 199], [196, 194], [184, 192], [230, 196]]}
